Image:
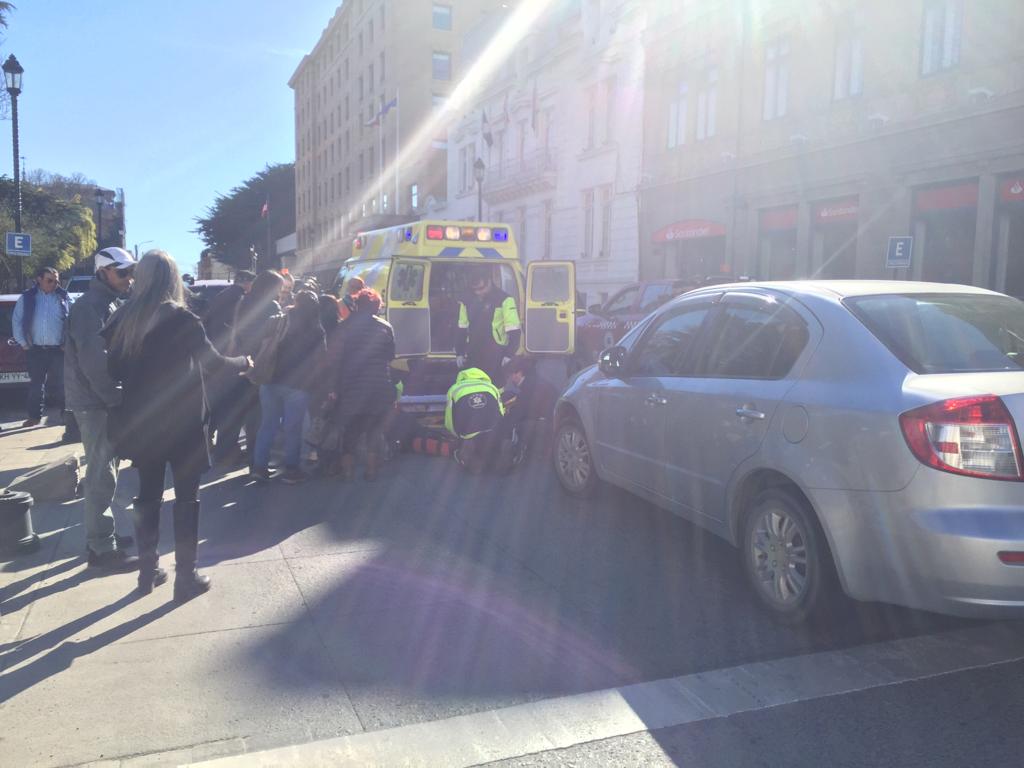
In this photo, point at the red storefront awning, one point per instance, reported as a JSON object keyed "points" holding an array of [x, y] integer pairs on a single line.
{"points": [[778, 219], [690, 229], [835, 211], [948, 198], [1012, 190]]}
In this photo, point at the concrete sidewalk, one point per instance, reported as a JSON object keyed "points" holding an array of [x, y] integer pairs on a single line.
{"points": [[335, 609]]}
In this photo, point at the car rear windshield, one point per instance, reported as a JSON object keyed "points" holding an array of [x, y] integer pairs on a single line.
{"points": [[947, 333]]}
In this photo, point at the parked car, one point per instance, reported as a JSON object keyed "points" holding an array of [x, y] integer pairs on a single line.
{"points": [[604, 324], [77, 285], [201, 291], [859, 434], [13, 367]]}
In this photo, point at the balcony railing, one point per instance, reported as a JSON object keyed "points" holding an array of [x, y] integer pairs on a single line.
{"points": [[519, 176]]}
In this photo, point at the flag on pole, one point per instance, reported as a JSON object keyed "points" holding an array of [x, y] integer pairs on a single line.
{"points": [[388, 107], [485, 128], [265, 210]]}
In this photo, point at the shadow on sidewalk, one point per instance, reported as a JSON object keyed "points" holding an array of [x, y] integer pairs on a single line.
{"points": [[10, 603], [63, 656]]}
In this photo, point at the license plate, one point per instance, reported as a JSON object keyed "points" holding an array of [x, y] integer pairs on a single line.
{"points": [[13, 377]]}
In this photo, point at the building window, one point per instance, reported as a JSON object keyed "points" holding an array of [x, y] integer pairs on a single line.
{"points": [[940, 38], [348, 179], [609, 109], [414, 196], [707, 104], [442, 65], [370, 26], [588, 223], [677, 110], [371, 164], [776, 78], [359, 80], [606, 221], [382, 18], [362, 167], [849, 75], [438, 101], [522, 144], [591, 115], [382, 66], [370, 81], [346, 69], [442, 16], [384, 202], [360, 43]]}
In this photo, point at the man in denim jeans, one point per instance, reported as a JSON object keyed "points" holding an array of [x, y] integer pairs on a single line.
{"points": [[38, 325], [91, 393]]}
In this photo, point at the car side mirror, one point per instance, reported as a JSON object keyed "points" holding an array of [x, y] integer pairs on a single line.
{"points": [[612, 362], [594, 309]]}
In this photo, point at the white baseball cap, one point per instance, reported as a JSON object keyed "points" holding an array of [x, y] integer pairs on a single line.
{"points": [[114, 257]]}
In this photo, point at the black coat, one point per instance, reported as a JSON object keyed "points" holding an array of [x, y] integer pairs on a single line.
{"points": [[219, 317], [359, 363], [164, 410]]}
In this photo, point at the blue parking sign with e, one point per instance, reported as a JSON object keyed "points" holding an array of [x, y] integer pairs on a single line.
{"points": [[19, 244], [900, 250]]}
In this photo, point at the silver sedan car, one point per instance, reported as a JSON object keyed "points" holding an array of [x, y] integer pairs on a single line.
{"points": [[847, 434]]}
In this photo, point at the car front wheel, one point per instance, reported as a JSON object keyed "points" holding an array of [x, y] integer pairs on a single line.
{"points": [[574, 463], [785, 556]]}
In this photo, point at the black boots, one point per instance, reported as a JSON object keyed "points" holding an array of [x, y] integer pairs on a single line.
{"points": [[147, 535], [188, 582]]}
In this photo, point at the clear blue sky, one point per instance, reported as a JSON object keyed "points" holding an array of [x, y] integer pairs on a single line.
{"points": [[174, 102]]}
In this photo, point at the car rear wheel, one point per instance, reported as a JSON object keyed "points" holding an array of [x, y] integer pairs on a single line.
{"points": [[785, 556], [574, 463]]}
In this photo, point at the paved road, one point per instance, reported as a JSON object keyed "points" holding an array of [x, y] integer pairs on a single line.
{"points": [[346, 607]]}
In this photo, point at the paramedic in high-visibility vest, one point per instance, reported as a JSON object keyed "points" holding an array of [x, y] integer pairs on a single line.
{"points": [[489, 328]]}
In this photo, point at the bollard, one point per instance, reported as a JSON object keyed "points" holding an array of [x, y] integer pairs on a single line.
{"points": [[16, 534]]}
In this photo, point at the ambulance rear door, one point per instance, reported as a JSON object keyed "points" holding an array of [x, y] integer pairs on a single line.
{"points": [[550, 307], [408, 308]]}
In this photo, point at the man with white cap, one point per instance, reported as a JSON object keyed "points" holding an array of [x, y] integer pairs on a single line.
{"points": [[90, 394]]}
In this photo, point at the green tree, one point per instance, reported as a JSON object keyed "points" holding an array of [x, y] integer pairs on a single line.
{"points": [[63, 231], [234, 222]]}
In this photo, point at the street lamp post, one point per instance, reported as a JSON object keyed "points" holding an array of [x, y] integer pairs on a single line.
{"points": [[99, 218], [12, 80], [478, 174], [144, 242]]}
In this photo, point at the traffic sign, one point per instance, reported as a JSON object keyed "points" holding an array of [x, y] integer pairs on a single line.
{"points": [[19, 244], [900, 250]]}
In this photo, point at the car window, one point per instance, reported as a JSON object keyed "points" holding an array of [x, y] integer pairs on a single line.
{"points": [[665, 349], [755, 342], [947, 333], [654, 296], [407, 281], [622, 303]]}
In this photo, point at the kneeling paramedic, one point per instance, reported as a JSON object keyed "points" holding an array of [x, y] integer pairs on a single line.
{"points": [[472, 414], [489, 327]]}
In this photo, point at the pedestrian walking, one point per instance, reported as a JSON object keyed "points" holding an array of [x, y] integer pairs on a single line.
{"points": [[284, 401], [91, 393], [362, 392], [252, 317], [38, 326], [160, 353], [489, 328]]}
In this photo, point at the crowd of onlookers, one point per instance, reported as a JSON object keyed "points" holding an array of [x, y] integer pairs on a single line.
{"points": [[145, 379]]}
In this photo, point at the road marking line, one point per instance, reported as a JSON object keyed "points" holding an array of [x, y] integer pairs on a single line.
{"points": [[539, 726]]}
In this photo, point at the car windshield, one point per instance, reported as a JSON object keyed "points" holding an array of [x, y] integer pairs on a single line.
{"points": [[947, 333]]}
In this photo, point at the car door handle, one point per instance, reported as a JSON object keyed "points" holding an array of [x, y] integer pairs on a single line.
{"points": [[746, 412], [653, 399]]}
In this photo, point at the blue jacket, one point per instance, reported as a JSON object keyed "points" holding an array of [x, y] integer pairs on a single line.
{"points": [[25, 324]]}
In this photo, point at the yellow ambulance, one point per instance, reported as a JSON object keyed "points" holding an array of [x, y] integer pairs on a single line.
{"points": [[424, 269]]}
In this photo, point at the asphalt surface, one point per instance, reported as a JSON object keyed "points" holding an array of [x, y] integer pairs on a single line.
{"points": [[966, 719], [347, 607]]}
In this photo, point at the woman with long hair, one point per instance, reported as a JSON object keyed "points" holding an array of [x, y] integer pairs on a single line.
{"points": [[159, 353], [285, 399], [362, 392]]}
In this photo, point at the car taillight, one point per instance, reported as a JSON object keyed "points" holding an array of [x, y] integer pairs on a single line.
{"points": [[972, 436]]}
